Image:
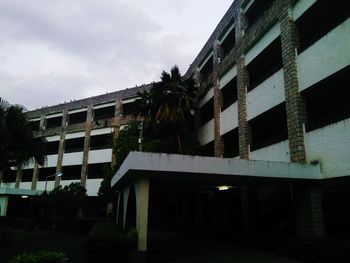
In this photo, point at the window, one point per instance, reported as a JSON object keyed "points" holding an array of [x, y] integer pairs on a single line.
{"points": [[268, 62], [229, 93], [231, 143], [54, 122], [35, 125], [74, 145], [103, 141], [255, 9], [207, 111], [269, 128], [319, 19], [78, 117], [104, 113], [52, 147], [327, 101]]}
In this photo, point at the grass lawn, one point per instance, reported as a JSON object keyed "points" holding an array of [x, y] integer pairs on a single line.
{"points": [[30, 241]]}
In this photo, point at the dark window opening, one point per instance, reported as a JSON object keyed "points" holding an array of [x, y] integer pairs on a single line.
{"points": [[35, 125], [269, 128], [207, 69], [130, 108], [104, 113], [98, 170], [74, 145], [256, 10], [52, 147], [208, 149], [9, 176], [320, 19], [268, 62], [78, 117], [54, 122], [231, 144], [327, 101], [103, 141], [45, 172], [72, 172], [229, 94], [207, 111], [229, 42], [27, 175]]}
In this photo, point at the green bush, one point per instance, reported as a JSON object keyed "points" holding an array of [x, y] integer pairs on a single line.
{"points": [[6, 237], [109, 243], [40, 257]]}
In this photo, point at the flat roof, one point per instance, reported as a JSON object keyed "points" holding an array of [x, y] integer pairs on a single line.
{"points": [[196, 169]]}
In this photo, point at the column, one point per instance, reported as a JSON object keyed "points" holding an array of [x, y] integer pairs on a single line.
{"points": [[117, 121], [309, 211], [61, 148], [218, 144], [295, 107], [36, 172], [18, 176], [244, 133], [126, 191], [142, 200], [85, 162], [4, 199]]}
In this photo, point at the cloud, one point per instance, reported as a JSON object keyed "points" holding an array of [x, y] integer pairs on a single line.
{"points": [[54, 51]]}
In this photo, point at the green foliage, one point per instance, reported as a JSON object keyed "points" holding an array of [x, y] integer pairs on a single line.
{"points": [[109, 243], [64, 202], [168, 110], [17, 144], [40, 257], [6, 237]]}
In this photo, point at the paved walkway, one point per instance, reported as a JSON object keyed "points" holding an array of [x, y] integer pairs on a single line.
{"points": [[186, 248]]}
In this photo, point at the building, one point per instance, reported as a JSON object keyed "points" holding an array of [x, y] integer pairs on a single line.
{"points": [[78, 139], [274, 87], [274, 101]]}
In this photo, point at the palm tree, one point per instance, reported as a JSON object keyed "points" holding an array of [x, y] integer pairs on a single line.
{"points": [[169, 106], [17, 144]]}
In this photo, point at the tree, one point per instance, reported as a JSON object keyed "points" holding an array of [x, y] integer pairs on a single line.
{"points": [[17, 144], [168, 110]]}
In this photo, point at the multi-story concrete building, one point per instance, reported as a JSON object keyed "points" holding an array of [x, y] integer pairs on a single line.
{"points": [[274, 85], [78, 137], [274, 88]]}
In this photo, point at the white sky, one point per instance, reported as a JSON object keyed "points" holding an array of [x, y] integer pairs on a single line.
{"points": [[54, 51]]}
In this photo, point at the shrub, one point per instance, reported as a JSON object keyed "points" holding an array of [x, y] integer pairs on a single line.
{"points": [[108, 243], [40, 257]]}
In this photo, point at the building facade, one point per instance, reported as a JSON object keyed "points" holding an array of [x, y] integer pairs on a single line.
{"points": [[274, 86]]}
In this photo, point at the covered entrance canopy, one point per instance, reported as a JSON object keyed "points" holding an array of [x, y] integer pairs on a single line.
{"points": [[139, 168]]}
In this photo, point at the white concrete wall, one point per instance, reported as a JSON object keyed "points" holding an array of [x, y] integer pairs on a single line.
{"points": [[74, 135], [101, 131], [266, 95], [325, 57], [229, 119], [276, 152], [100, 156], [265, 40], [206, 132], [51, 160], [207, 97], [330, 145], [8, 185], [228, 76], [92, 186], [72, 158], [301, 6], [53, 138]]}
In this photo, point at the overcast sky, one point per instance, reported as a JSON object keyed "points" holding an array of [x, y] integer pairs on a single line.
{"points": [[56, 51]]}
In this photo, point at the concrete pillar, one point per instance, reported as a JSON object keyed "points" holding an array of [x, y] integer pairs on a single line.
{"points": [[61, 148], [85, 162], [4, 199], [142, 201], [218, 144], [244, 133], [117, 122], [126, 191], [295, 107], [308, 211], [18, 176], [36, 172], [249, 208], [2, 172], [118, 217], [197, 117]]}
